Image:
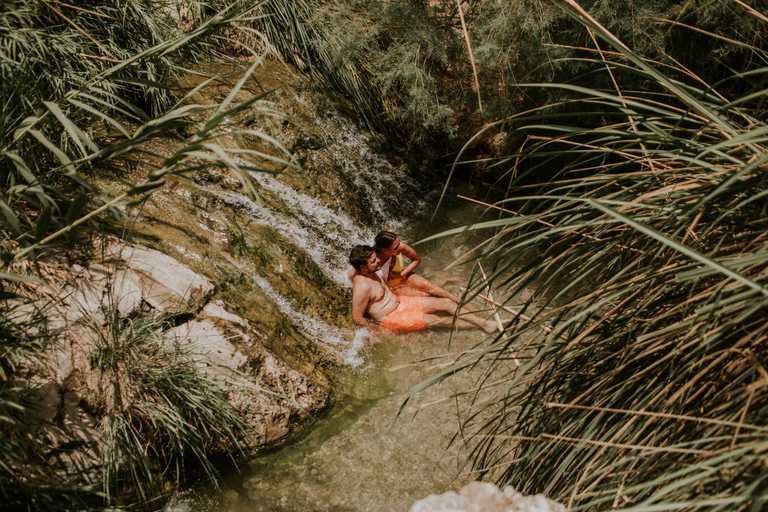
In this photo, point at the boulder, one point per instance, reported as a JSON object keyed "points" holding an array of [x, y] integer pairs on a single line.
{"points": [[131, 281], [164, 283], [486, 497]]}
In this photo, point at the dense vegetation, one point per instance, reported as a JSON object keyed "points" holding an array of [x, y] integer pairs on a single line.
{"points": [[627, 139], [631, 250], [412, 68], [83, 89]]}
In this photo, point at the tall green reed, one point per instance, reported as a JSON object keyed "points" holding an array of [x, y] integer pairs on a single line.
{"points": [[85, 88], [631, 250], [78, 124]]}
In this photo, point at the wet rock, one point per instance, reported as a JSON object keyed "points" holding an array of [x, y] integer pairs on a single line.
{"points": [[209, 344], [132, 282], [251, 483], [486, 497], [255, 495]]}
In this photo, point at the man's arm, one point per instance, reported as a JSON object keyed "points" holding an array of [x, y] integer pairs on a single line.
{"points": [[361, 296]]}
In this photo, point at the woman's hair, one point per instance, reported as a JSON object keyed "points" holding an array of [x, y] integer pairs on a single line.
{"points": [[384, 240], [359, 256]]}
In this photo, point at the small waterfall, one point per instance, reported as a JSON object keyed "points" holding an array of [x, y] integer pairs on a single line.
{"points": [[315, 329], [324, 235], [356, 457], [388, 190]]}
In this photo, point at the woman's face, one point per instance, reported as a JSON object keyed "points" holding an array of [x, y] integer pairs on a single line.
{"points": [[393, 249]]}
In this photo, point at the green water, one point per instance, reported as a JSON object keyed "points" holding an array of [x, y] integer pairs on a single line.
{"points": [[360, 455], [365, 453]]}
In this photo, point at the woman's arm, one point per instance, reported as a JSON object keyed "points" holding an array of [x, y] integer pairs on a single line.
{"points": [[412, 255]]}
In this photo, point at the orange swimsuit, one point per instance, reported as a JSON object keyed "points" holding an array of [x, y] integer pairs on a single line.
{"points": [[398, 313], [408, 316]]}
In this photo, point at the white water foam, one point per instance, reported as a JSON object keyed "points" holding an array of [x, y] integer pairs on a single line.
{"points": [[315, 329], [337, 226], [348, 344], [327, 242], [382, 184]]}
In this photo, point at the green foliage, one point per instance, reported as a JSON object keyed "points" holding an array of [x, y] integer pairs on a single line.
{"points": [[406, 68], [49, 51], [642, 383], [415, 54], [521, 41], [83, 89], [159, 403], [388, 58], [84, 121]]}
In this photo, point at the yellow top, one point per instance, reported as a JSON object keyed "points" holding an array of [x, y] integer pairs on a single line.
{"points": [[399, 264]]}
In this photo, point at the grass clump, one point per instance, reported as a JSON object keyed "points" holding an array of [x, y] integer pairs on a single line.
{"points": [[160, 403]]}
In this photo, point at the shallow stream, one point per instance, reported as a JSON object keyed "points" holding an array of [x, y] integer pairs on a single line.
{"points": [[284, 255], [365, 453]]}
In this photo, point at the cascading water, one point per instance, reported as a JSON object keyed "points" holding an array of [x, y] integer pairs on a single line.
{"points": [[356, 457], [385, 193], [323, 234]]}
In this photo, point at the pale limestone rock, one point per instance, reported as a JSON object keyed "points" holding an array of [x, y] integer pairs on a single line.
{"points": [[133, 280], [85, 297], [206, 340], [288, 393], [60, 349], [75, 421], [68, 430], [215, 310], [165, 283], [486, 497], [78, 464], [124, 285], [48, 400]]}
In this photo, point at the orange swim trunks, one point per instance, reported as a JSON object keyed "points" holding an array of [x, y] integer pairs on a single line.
{"points": [[409, 316]]}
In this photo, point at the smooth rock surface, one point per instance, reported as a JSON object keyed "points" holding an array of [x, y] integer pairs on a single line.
{"points": [[486, 497]]}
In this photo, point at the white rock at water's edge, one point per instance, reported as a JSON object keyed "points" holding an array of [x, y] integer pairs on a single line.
{"points": [[486, 497], [133, 278]]}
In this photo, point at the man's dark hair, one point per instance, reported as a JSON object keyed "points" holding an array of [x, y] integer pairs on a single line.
{"points": [[384, 240], [359, 256]]}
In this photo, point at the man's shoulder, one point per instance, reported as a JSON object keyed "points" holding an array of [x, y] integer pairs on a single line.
{"points": [[361, 281]]}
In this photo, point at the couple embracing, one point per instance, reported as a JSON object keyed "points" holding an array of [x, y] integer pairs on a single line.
{"points": [[386, 294]]}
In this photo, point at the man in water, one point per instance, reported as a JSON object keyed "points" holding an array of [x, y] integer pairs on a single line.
{"points": [[371, 296]]}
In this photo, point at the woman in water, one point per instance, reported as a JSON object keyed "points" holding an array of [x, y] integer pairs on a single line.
{"points": [[390, 250]]}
